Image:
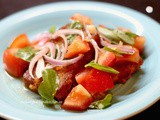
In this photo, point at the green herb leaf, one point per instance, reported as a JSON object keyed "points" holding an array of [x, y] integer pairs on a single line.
{"points": [[26, 53], [52, 29], [76, 25], [70, 38], [124, 37], [133, 35], [101, 104], [117, 35], [102, 68], [115, 50], [48, 87], [108, 33]]}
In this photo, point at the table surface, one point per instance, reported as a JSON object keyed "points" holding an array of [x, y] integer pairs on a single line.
{"points": [[11, 6]]}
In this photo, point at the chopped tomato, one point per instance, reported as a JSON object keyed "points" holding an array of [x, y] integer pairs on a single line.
{"points": [[78, 99], [95, 80], [82, 75], [107, 59], [77, 47], [139, 43], [92, 29], [82, 18], [131, 58], [13, 65], [20, 41]]}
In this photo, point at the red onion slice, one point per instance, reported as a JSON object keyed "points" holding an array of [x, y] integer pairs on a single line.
{"points": [[67, 32], [43, 38], [64, 48], [51, 47], [40, 67], [102, 37], [88, 34], [96, 48], [65, 41], [63, 51], [58, 52], [49, 66], [62, 62], [126, 49], [35, 59]]}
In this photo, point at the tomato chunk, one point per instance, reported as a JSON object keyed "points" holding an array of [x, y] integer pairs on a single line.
{"points": [[107, 59], [78, 99], [95, 80], [139, 43], [131, 58], [82, 18], [13, 65], [77, 47], [20, 41]]}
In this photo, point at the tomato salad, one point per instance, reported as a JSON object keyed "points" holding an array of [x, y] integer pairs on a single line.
{"points": [[76, 65]]}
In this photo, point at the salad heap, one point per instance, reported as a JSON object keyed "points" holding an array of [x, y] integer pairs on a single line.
{"points": [[76, 65]]}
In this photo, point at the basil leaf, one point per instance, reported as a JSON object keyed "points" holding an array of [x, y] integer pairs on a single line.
{"points": [[101, 104], [52, 29], [115, 50], [48, 87], [108, 33], [26, 53], [76, 25], [70, 38], [133, 35], [117, 35], [124, 37], [102, 68]]}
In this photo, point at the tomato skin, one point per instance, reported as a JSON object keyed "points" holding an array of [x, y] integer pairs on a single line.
{"points": [[107, 59], [130, 58], [20, 41], [13, 65], [78, 99], [82, 75], [82, 18], [95, 80], [77, 47], [139, 43]]}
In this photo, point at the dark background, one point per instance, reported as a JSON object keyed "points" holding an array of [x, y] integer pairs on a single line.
{"points": [[8, 7]]}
